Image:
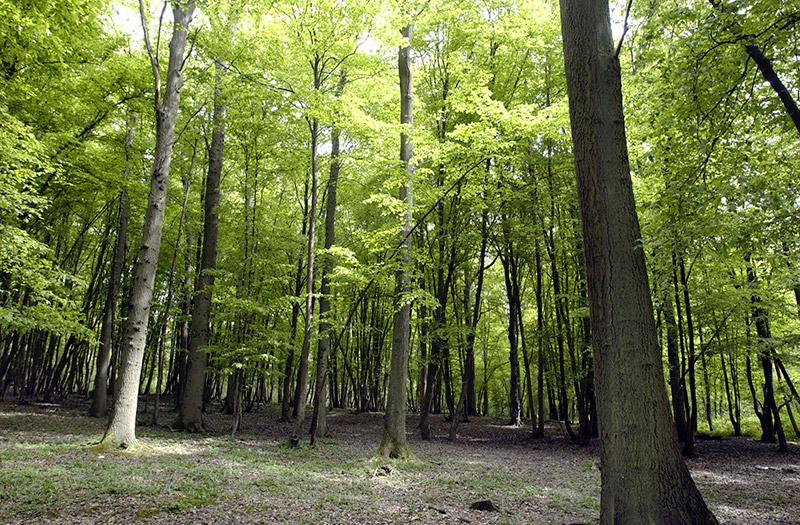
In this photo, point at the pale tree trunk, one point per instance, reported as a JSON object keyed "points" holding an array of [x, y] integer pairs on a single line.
{"points": [[190, 416], [393, 442], [644, 478], [319, 423], [100, 396], [121, 431]]}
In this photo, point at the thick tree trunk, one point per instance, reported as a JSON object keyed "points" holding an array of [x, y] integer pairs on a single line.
{"points": [[644, 478], [121, 431], [100, 395], [393, 442], [190, 416]]}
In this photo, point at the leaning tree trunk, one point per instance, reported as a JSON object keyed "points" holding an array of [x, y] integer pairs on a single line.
{"points": [[644, 478], [393, 443], [121, 431], [190, 416], [100, 395]]}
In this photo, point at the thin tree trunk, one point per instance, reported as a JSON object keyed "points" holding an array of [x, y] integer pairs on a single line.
{"points": [[319, 425], [100, 396], [302, 374]]}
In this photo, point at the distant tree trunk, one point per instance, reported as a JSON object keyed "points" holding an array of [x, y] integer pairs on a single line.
{"points": [[393, 442], [644, 478], [771, 420], [190, 415], [100, 396], [287, 400], [675, 382], [509, 260], [302, 373], [121, 431], [688, 441], [319, 425], [538, 431]]}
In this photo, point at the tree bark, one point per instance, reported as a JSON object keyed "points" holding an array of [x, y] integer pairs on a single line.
{"points": [[100, 396], [393, 442], [644, 478], [121, 431], [319, 424], [190, 416], [302, 373]]}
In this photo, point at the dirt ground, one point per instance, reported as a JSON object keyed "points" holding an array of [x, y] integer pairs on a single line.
{"points": [[340, 481]]}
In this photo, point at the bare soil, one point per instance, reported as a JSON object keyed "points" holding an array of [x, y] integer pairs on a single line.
{"points": [[340, 481]]}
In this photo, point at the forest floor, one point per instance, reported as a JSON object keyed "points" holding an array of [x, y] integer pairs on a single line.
{"points": [[47, 474]]}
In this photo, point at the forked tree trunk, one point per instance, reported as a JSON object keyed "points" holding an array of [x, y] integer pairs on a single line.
{"points": [[644, 478], [393, 442], [121, 431]]}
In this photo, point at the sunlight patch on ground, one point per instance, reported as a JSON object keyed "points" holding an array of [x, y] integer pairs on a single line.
{"points": [[717, 477]]}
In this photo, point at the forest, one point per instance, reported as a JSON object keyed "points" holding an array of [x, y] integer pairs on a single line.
{"points": [[392, 227]]}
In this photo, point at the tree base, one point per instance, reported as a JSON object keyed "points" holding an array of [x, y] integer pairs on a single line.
{"points": [[393, 449]]}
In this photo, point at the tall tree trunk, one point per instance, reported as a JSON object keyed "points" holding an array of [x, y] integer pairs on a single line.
{"points": [[771, 420], [319, 424], [675, 382], [190, 416], [644, 478], [170, 290], [121, 431], [100, 396], [538, 431], [393, 442], [302, 373]]}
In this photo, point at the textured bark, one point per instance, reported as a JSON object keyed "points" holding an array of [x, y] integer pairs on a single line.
{"points": [[190, 416], [100, 396], [393, 442], [121, 431], [644, 478]]}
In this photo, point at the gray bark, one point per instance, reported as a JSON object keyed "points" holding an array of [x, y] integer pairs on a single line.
{"points": [[121, 431], [393, 442], [644, 478]]}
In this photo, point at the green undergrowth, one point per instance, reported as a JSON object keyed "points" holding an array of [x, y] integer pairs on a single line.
{"points": [[51, 470]]}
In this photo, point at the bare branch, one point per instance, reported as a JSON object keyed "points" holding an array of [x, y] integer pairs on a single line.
{"points": [[153, 57]]}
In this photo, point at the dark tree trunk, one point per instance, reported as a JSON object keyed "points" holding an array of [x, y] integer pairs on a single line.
{"points": [[100, 396], [393, 442], [190, 415], [644, 478]]}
